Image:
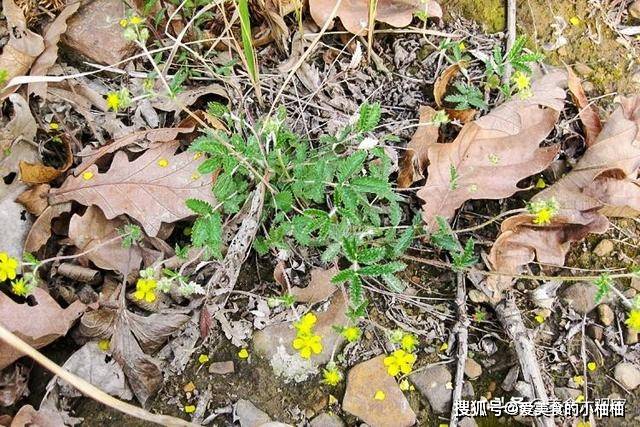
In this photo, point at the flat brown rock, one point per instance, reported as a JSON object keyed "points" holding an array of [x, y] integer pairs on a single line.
{"points": [[95, 32], [363, 381]]}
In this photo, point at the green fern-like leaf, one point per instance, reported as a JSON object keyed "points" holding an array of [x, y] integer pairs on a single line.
{"points": [[369, 117]]}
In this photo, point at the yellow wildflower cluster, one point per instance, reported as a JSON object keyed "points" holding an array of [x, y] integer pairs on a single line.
{"points": [[146, 289], [633, 321], [544, 211], [306, 341], [119, 100], [399, 362], [133, 29]]}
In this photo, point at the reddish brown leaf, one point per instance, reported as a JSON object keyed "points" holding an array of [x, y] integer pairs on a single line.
{"points": [[414, 162], [41, 228], [38, 325], [152, 189], [588, 113], [492, 154], [152, 135], [442, 83], [354, 14], [92, 230], [35, 199], [602, 183]]}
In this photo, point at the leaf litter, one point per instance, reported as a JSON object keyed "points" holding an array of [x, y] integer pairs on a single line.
{"points": [[144, 177]]}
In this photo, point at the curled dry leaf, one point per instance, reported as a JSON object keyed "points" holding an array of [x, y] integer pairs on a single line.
{"points": [[41, 229], [92, 230], [188, 97], [492, 154], [588, 113], [145, 136], [36, 199], [131, 336], [37, 173], [440, 89], [354, 14], [152, 189], [603, 183], [319, 288], [415, 160], [38, 325], [51, 38], [23, 47]]}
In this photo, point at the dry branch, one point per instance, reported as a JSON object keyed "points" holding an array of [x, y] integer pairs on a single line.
{"points": [[462, 331]]}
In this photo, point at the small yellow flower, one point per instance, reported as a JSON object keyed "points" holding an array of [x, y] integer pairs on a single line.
{"points": [[404, 385], [308, 344], [379, 395], [544, 211], [87, 175], [145, 290], [19, 288], [8, 267], [104, 345], [575, 21], [124, 23], [136, 20], [408, 342], [352, 333], [578, 380], [521, 81], [592, 366], [633, 321], [54, 126], [583, 423], [399, 361], [444, 346], [462, 46], [543, 217], [580, 398], [113, 101], [190, 409], [539, 318], [541, 183], [195, 176], [243, 353], [306, 323], [331, 376], [163, 163], [203, 359]]}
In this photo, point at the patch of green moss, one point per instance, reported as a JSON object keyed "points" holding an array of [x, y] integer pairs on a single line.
{"points": [[490, 13]]}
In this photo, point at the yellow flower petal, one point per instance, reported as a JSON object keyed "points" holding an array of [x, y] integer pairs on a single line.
{"points": [[190, 409], [203, 359], [592, 366], [243, 353], [87, 175], [379, 395], [163, 163]]}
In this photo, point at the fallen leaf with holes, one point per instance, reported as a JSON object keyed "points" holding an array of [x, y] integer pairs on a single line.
{"points": [[146, 136], [319, 288], [23, 46], [492, 154], [354, 14], [151, 189], [415, 159], [38, 173], [132, 337], [587, 112], [92, 230], [50, 54], [602, 184], [38, 325]]}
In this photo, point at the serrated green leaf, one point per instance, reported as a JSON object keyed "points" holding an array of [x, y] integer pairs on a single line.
{"points": [[369, 117], [395, 284], [351, 165], [199, 206], [350, 248], [343, 276], [371, 255], [381, 269], [331, 252]]}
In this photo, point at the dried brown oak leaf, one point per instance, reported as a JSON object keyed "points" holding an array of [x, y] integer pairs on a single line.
{"points": [[152, 189], [415, 159], [38, 325], [354, 14], [132, 337], [492, 154], [23, 47], [588, 113], [319, 288], [603, 183]]}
